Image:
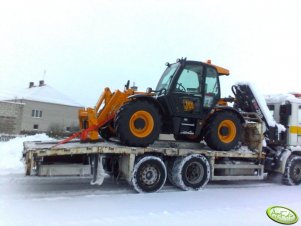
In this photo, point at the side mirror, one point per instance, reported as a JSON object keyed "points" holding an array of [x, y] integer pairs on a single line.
{"points": [[167, 64], [149, 90]]}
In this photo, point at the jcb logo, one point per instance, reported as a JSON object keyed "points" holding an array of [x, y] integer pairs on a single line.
{"points": [[188, 105]]}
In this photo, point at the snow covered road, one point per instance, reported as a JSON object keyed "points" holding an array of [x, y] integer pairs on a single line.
{"points": [[72, 201]]}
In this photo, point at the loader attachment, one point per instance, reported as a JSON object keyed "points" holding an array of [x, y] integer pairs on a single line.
{"points": [[94, 120], [106, 108]]}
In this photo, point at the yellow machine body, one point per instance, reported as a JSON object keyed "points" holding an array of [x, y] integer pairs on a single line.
{"points": [[107, 106]]}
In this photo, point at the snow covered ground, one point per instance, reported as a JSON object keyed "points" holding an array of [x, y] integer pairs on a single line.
{"points": [[73, 201]]}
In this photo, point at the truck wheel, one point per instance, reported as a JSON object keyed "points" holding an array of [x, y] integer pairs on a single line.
{"points": [[138, 123], [149, 174], [292, 174], [191, 172], [223, 131]]}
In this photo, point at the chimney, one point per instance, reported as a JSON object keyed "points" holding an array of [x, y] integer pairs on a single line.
{"points": [[31, 84], [42, 83]]}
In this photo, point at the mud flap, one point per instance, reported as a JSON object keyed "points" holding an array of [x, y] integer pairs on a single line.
{"points": [[97, 170]]}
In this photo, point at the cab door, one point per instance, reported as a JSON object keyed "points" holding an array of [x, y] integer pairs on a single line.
{"points": [[211, 89], [187, 93]]}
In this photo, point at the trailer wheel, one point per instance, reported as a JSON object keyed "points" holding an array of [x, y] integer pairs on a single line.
{"points": [[223, 131], [292, 174], [138, 123], [191, 172], [149, 174]]}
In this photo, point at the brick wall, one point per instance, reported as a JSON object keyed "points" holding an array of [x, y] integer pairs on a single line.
{"points": [[10, 117]]}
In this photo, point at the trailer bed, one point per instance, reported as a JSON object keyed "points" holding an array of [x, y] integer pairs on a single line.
{"points": [[165, 147]]}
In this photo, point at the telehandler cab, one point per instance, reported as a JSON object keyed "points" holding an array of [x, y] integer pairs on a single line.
{"points": [[186, 103]]}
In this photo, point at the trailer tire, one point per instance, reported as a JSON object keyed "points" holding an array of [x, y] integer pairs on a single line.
{"points": [[138, 123], [191, 172], [223, 131], [149, 174], [292, 174]]}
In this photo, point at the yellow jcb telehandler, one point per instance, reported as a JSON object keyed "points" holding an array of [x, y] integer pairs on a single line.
{"points": [[186, 103]]}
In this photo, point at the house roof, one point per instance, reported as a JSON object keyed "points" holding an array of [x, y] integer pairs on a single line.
{"points": [[46, 94]]}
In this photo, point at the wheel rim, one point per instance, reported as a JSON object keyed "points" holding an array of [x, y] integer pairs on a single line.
{"points": [[150, 175], [227, 131], [141, 124], [194, 173]]}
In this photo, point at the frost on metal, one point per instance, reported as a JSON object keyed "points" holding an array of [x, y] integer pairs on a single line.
{"points": [[100, 173], [263, 106], [281, 99], [177, 169], [135, 174]]}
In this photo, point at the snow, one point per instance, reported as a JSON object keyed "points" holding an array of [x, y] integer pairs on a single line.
{"points": [[281, 98], [100, 174], [295, 148], [30, 201], [263, 106], [11, 153], [44, 93], [245, 149], [72, 201]]}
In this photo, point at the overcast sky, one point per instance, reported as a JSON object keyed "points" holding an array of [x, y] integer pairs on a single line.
{"points": [[85, 46]]}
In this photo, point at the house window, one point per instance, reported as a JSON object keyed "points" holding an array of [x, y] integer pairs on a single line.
{"points": [[36, 113], [35, 126]]}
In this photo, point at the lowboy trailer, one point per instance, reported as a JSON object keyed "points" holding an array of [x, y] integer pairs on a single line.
{"points": [[188, 166]]}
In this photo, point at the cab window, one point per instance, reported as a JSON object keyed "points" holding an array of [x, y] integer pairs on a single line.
{"points": [[211, 87], [190, 79]]}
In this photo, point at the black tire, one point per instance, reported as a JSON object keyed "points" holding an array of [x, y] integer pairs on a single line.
{"points": [[169, 165], [191, 172], [105, 133], [149, 174], [138, 123], [292, 174], [223, 131]]}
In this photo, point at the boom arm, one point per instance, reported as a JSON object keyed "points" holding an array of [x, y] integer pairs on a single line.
{"points": [[248, 99]]}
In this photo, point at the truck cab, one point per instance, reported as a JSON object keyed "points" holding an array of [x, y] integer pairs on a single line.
{"points": [[286, 110]]}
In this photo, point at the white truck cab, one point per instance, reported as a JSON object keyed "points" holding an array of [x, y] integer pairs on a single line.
{"points": [[286, 109]]}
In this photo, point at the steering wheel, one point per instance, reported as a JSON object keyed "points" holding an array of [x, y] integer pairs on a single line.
{"points": [[180, 87]]}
